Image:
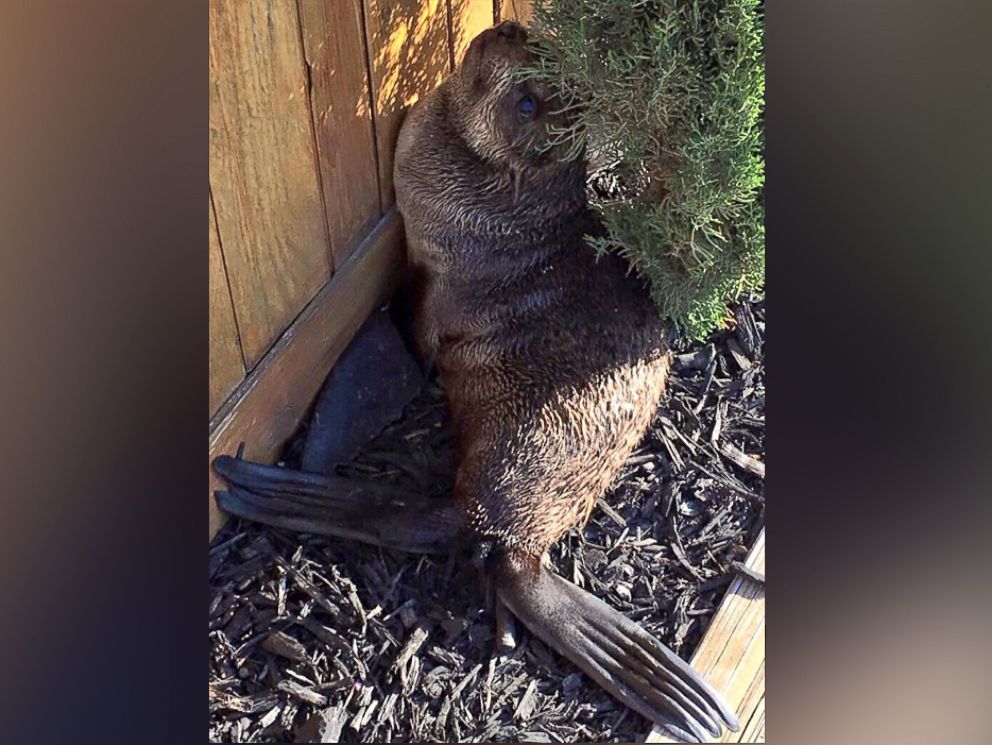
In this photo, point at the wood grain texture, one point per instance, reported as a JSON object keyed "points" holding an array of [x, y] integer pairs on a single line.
{"points": [[515, 10], [342, 116], [263, 168], [408, 50], [753, 730], [226, 366], [268, 406], [468, 19], [731, 655]]}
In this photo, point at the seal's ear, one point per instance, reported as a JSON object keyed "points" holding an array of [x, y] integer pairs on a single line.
{"points": [[472, 65]]}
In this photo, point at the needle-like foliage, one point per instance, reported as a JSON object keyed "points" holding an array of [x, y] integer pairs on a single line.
{"points": [[670, 96]]}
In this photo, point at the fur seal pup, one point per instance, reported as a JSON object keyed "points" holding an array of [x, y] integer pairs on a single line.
{"points": [[553, 362]]}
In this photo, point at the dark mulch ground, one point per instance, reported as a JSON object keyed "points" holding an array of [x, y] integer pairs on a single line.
{"points": [[315, 637]]}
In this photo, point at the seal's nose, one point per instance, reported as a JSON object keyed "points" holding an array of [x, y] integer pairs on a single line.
{"points": [[512, 30]]}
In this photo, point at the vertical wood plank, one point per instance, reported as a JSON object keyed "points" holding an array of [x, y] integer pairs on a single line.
{"points": [[408, 51], [753, 729], [515, 10], [468, 19], [334, 45], [263, 169], [226, 366]]}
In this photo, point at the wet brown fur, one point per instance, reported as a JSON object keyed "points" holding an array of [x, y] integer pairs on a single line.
{"points": [[553, 362]]}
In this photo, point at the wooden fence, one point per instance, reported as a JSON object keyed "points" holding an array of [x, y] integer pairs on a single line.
{"points": [[306, 99]]}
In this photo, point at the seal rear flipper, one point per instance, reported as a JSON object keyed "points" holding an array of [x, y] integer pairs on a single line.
{"points": [[614, 651], [318, 489], [336, 506], [278, 513], [427, 529]]}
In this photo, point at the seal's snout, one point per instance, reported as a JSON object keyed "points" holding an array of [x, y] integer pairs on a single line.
{"points": [[512, 31]]}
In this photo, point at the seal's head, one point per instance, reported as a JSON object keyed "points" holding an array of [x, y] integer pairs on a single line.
{"points": [[503, 119]]}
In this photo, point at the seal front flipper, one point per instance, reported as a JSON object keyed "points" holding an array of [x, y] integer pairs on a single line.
{"points": [[614, 651], [367, 389], [339, 507]]}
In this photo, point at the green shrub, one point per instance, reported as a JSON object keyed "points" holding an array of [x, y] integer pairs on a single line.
{"points": [[670, 95]]}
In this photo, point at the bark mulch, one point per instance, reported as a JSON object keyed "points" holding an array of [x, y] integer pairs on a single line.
{"points": [[316, 639]]}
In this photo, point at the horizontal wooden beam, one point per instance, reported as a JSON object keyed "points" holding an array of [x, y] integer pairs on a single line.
{"points": [[731, 655], [269, 405]]}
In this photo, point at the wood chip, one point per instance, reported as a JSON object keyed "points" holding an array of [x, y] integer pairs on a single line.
{"points": [[527, 702], [413, 644], [742, 460], [270, 716], [306, 695], [752, 574], [611, 513], [324, 726], [285, 646]]}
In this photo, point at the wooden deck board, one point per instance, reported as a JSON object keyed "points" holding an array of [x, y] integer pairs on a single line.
{"points": [[731, 655]]}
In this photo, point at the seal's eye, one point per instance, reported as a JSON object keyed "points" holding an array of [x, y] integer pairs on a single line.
{"points": [[527, 107]]}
